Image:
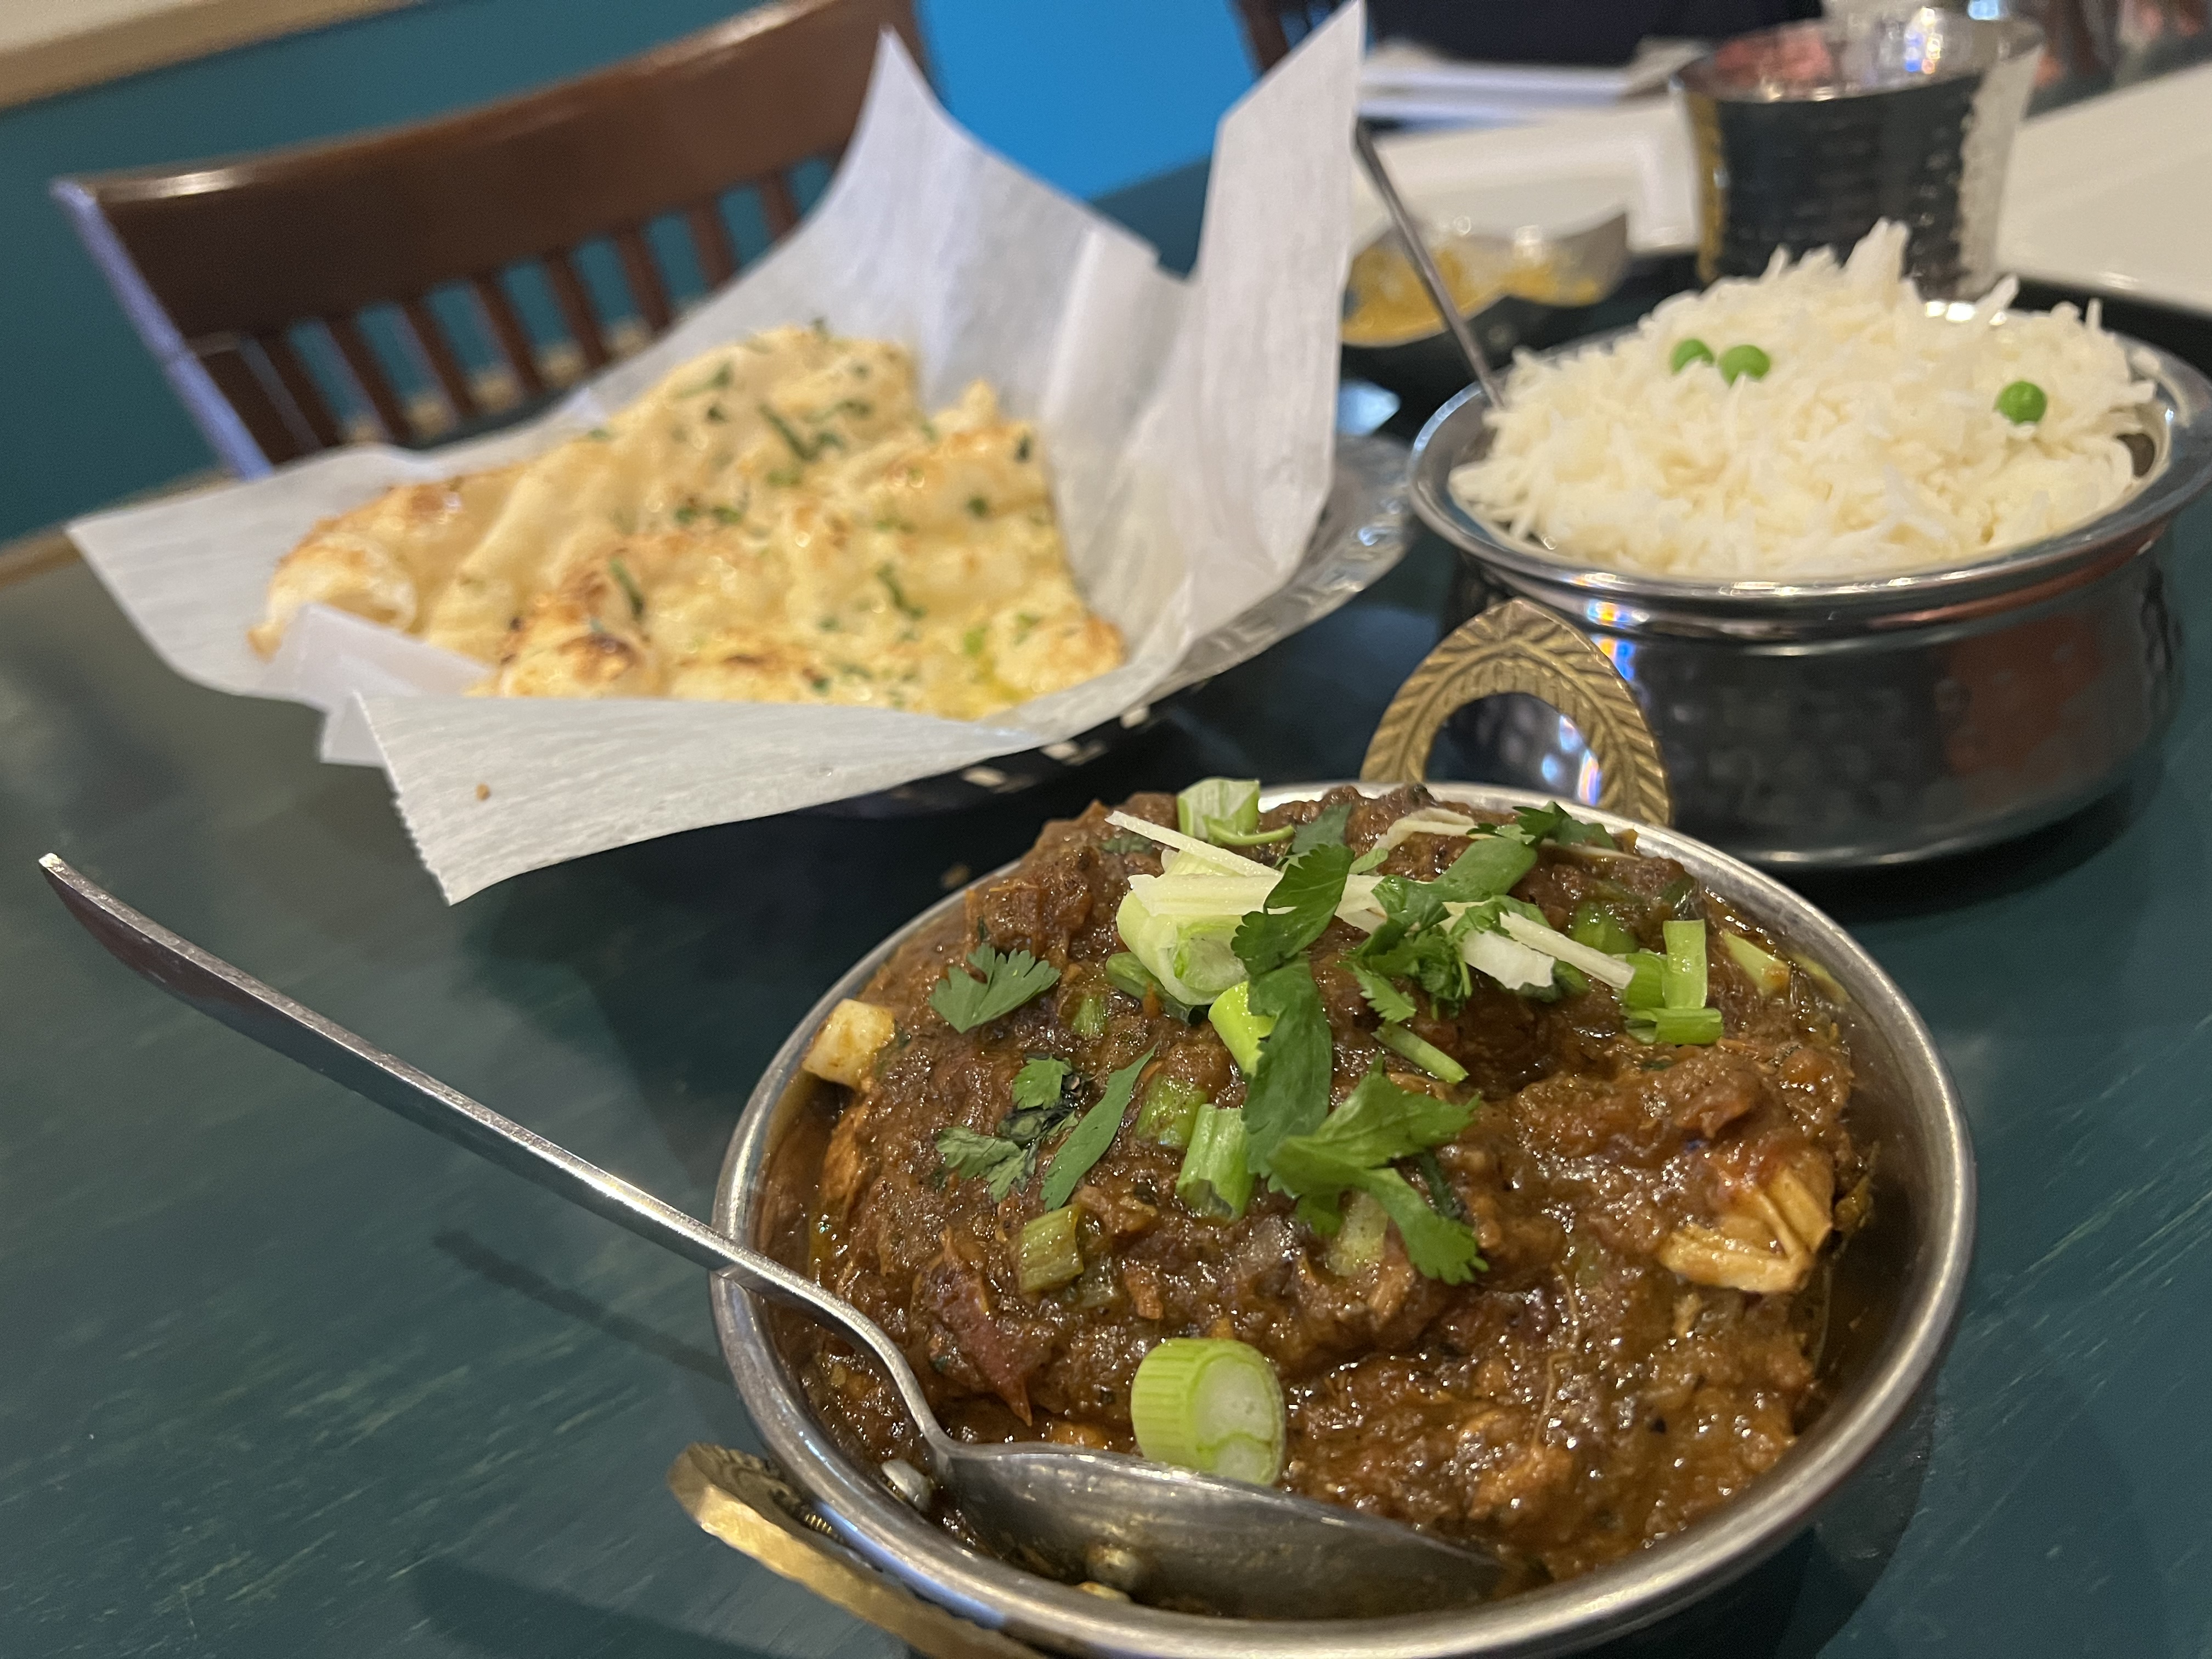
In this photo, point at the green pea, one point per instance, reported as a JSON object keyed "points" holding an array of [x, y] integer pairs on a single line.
{"points": [[2022, 402], [1690, 351], [1741, 359]]}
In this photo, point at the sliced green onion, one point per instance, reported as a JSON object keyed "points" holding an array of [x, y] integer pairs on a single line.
{"points": [[1240, 1028], [1537, 936], [1169, 1108], [1215, 1182], [1693, 351], [1130, 976], [1426, 1056], [1646, 990], [1219, 858], [1571, 979], [2022, 402], [1683, 979], [1831, 987], [1769, 973], [1190, 957], [1214, 804], [1596, 926], [1089, 1019], [1512, 964], [1358, 1242], [1050, 1252], [1676, 1025], [1256, 838], [1739, 360], [1210, 1404]]}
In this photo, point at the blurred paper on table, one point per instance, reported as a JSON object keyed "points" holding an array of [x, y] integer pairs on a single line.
{"points": [[1404, 81], [1188, 427]]}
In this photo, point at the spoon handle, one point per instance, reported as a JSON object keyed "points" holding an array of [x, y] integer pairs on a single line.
{"points": [[269, 1017], [1425, 263]]}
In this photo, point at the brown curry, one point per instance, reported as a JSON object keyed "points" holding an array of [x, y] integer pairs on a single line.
{"points": [[1638, 1344]]}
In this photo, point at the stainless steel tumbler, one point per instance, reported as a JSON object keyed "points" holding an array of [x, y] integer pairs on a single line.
{"points": [[1808, 134]]}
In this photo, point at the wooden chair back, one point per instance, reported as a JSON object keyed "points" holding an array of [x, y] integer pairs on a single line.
{"points": [[237, 273], [1271, 27]]}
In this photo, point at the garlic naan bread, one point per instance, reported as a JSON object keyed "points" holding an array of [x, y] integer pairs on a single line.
{"points": [[777, 521]]}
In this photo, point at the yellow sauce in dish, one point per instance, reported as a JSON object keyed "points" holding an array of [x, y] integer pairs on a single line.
{"points": [[1386, 305]]}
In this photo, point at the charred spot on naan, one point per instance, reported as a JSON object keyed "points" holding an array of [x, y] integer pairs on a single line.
{"points": [[582, 639]]}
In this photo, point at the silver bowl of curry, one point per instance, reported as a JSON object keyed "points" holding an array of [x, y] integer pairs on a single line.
{"points": [[1823, 1278]]}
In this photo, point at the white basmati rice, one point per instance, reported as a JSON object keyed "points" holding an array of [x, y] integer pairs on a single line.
{"points": [[1872, 446]]}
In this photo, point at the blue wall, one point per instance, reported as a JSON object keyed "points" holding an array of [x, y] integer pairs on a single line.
{"points": [[1090, 96]]}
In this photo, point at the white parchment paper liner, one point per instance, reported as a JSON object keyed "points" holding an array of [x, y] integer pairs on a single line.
{"points": [[1189, 427]]}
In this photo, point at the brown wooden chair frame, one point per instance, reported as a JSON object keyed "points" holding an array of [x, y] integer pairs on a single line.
{"points": [[1264, 32], [216, 264]]}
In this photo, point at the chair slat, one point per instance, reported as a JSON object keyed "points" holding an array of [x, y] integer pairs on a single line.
{"points": [[234, 377], [291, 373], [369, 373], [507, 328], [777, 205], [430, 335], [710, 239], [576, 305], [240, 253], [643, 276]]}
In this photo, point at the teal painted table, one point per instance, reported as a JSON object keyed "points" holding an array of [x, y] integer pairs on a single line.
{"points": [[285, 1376]]}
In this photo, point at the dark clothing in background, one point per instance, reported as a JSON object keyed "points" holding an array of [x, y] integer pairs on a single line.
{"points": [[1589, 32]]}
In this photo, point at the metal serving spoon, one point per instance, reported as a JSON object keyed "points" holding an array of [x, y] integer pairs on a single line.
{"points": [[1425, 263], [1165, 1535]]}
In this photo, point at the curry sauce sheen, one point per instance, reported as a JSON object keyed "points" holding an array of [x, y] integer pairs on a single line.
{"points": [[1577, 1399]]}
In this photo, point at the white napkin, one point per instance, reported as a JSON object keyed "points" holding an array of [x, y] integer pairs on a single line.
{"points": [[1189, 427]]}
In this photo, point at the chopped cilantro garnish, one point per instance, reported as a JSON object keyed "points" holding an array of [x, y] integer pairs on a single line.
{"points": [[685, 515], [1021, 449], [1351, 1151], [718, 381], [997, 1163], [714, 415], [1093, 1133], [1384, 998], [730, 514], [1297, 910], [1491, 865], [1038, 1083], [1417, 941], [799, 446], [630, 587], [786, 476], [999, 985], [1288, 1093], [900, 603], [600, 434], [1554, 824], [979, 506], [971, 642], [1326, 828]]}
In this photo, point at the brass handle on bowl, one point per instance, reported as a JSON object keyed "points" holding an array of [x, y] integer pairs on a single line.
{"points": [[1517, 647], [748, 1506]]}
